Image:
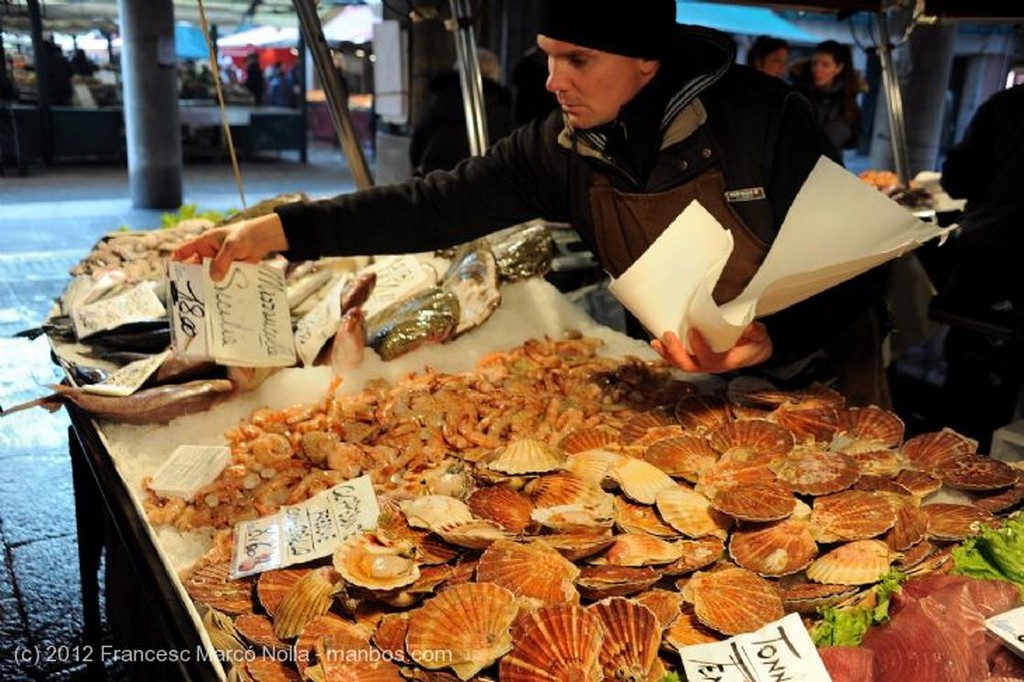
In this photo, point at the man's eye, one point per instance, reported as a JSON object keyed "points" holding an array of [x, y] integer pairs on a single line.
{"points": [[577, 61]]}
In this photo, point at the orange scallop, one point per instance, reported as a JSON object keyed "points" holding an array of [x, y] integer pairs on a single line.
{"points": [[563, 488], [910, 529], [210, 583], [506, 507], [915, 555], [259, 631], [390, 634], [273, 585], [976, 473], [702, 413], [687, 630], [861, 562], [807, 424], [588, 438], [475, 534], [872, 424], [765, 438], [324, 629], [755, 502], [919, 483], [733, 600], [577, 546], [738, 466], [638, 518], [881, 484], [930, 450], [811, 597], [561, 642], [665, 605], [874, 462], [1002, 500], [657, 433], [599, 582], [639, 425], [640, 481], [851, 515], [691, 513], [774, 549], [697, 554], [533, 570], [638, 549], [632, 635], [683, 457], [817, 472], [955, 521]]}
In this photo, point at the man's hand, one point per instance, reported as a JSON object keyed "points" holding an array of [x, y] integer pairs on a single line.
{"points": [[249, 241], [752, 348]]}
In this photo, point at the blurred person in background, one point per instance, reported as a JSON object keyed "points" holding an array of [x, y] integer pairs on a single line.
{"points": [[254, 77], [831, 84], [769, 55]]}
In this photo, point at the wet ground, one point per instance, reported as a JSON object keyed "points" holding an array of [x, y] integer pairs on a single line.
{"points": [[48, 221]]}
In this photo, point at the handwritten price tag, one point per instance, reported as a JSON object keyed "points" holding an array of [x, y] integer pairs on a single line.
{"points": [[138, 304], [186, 296]]}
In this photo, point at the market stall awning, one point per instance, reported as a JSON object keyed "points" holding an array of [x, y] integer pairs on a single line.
{"points": [[741, 19], [189, 42]]}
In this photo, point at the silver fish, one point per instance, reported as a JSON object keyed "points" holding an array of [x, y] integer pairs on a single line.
{"points": [[522, 251], [428, 317]]}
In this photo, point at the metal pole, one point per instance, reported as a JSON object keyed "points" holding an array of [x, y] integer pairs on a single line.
{"points": [[337, 102], [42, 81], [469, 77], [894, 98]]}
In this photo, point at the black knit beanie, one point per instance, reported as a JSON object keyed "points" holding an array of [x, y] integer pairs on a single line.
{"points": [[641, 28]]}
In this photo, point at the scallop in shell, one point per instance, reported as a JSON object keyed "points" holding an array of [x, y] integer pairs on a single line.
{"points": [[810, 597], [574, 518], [687, 630], [733, 600], [638, 518], [577, 546], [210, 583], [929, 451], [977, 473], [760, 435], [807, 424], [324, 630], [273, 585], [910, 529], [665, 605], [817, 472], [363, 561], [755, 502], [434, 511], [738, 466], [691, 513], [915, 555], [955, 521], [592, 465], [563, 488], [1002, 500], [774, 549], [599, 582], [475, 534], [639, 480], [588, 438], [638, 549], [631, 638], [533, 570], [638, 426], [872, 424], [919, 483], [881, 484], [259, 631], [390, 634], [353, 659], [851, 515], [697, 554], [527, 456], [657, 433], [702, 413], [875, 462], [685, 457], [557, 643], [470, 622], [309, 598], [504, 506], [855, 563]]}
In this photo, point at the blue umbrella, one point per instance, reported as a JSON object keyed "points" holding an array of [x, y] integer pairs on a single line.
{"points": [[189, 42]]}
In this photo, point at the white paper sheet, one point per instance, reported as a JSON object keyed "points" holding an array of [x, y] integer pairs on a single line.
{"points": [[838, 227]]}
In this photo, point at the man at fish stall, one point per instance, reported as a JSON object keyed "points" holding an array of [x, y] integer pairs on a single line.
{"points": [[652, 116]]}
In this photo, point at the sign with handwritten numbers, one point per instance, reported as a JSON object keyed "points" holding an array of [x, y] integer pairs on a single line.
{"points": [[242, 320], [781, 650], [138, 304], [1009, 627], [306, 531]]}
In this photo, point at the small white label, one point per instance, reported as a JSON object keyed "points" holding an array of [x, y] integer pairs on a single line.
{"points": [[306, 531], [1009, 627], [320, 324], [781, 650], [189, 468], [397, 279], [138, 304], [129, 378]]}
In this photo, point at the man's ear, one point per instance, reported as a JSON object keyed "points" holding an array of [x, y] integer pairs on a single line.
{"points": [[648, 67]]}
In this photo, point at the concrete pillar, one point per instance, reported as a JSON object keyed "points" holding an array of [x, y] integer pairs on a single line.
{"points": [[150, 76], [926, 93]]}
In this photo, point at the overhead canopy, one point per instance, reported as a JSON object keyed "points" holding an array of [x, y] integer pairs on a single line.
{"points": [[741, 19]]}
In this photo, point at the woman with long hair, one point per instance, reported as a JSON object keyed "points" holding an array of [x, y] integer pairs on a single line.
{"points": [[831, 84]]}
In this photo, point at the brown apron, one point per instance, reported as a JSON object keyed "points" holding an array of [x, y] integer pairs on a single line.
{"points": [[625, 224]]}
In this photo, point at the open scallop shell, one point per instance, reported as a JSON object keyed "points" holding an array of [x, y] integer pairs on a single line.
{"points": [[733, 600], [816, 395], [755, 502], [273, 585], [638, 426], [702, 413], [475, 534], [851, 515], [563, 488], [872, 424], [533, 570], [363, 561], [527, 456], [684, 457], [637, 549], [760, 435], [592, 465], [665, 605], [309, 598], [577, 546], [910, 529], [393, 529], [856, 563], [431, 578], [557, 643], [955, 521], [929, 451], [390, 634], [691, 513], [775, 549], [738, 466], [811, 597], [687, 630], [434, 511], [506, 507], [915, 555], [639, 480], [259, 631], [351, 657], [919, 483], [697, 554], [811, 424], [817, 472], [638, 518], [599, 582], [632, 635], [881, 484], [210, 583], [324, 630], [977, 473], [588, 438], [1002, 500], [877, 462], [470, 622]]}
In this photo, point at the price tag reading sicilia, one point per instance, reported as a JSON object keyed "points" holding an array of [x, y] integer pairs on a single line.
{"points": [[781, 650], [1009, 627], [306, 531]]}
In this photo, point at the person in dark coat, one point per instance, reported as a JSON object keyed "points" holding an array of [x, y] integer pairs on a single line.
{"points": [[439, 140], [831, 84], [769, 55], [254, 82], [653, 115]]}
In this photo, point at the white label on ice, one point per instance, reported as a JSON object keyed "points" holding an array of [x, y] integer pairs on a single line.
{"points": [[1009, 627], [187, 299], [397, 279], [306, 531], [138, 304], [189, 468], [129, 378], [781, 650], [320, 324]]}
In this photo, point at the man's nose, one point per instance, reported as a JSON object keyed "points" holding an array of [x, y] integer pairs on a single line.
{"points": [[555, 81]]}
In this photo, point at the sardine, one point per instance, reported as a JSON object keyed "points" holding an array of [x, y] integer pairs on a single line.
{"points": [[357, 291], [430, 316], [148, 337], [473, 278], [150, 406], [349, 342]]}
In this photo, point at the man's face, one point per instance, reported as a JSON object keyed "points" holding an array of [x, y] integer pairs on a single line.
{"points": [[591, 86]]}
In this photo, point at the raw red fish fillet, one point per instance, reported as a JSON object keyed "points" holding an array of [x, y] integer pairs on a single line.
{"points": [[849, 663]]}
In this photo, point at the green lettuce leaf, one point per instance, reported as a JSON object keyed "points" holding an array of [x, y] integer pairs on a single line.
{"points": [[847, 626], [995, 553]]}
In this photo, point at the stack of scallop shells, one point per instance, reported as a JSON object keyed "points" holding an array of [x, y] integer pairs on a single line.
{"points": [[598, 556]]}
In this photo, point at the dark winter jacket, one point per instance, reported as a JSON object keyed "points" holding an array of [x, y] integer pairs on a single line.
{"points": [[754, 127], [439, 140], [828, 109]]}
